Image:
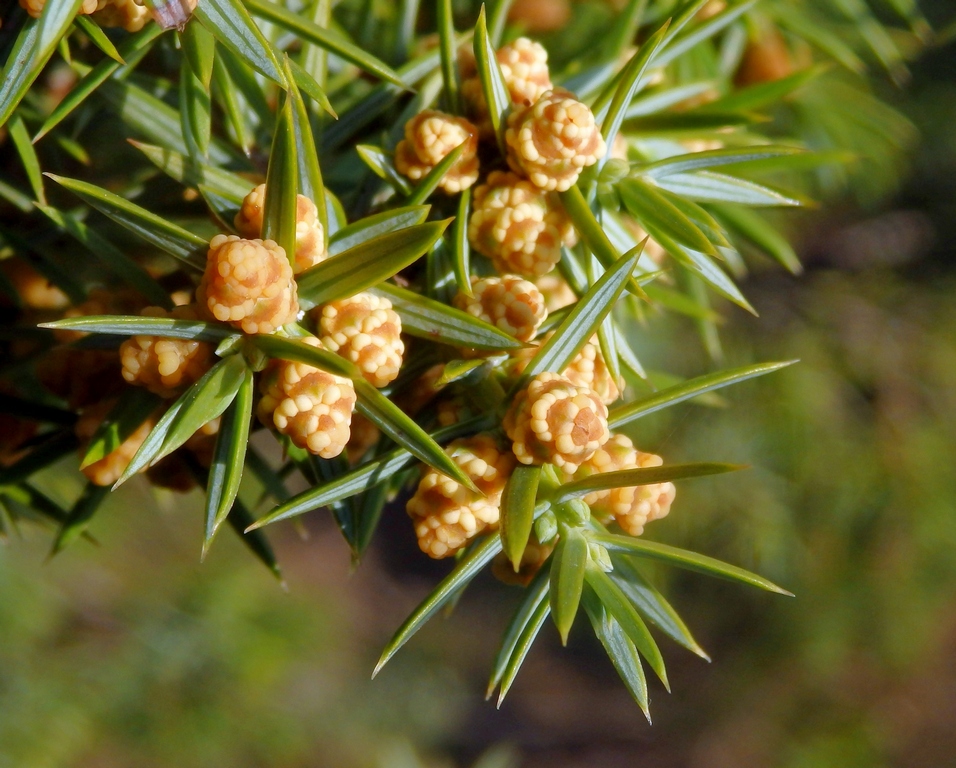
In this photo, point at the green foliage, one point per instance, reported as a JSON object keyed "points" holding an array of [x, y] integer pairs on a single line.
{"points": [[222, 101]]}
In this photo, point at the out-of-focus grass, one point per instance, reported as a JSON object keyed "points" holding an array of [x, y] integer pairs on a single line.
{"points": [[132, 654], [851, 505]]}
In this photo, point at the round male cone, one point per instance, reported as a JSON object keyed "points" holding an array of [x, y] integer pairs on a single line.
{"points": [[524, 69], [309, 235], [553, 140], [248, 284], [312, 407], [128, 14], [429, 137], [166, 367], [556, 422], [630, 507], [519, 227], [509, 302], [367, 331], [447, 515], [108, 470]]}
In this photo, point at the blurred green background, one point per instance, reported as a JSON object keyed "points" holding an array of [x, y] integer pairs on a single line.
{"points": [[131, 653]]}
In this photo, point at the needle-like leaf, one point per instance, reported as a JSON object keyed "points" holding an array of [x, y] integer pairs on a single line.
{"points": [[683, 558], [535, 594], [152, 118], [567, 579], [712, 187], [625, 414], [460, 247], [389, 418], [676, 45], [79, 516], [624, 612], [371, 403], [201, 403], [430, 319], [423, 190], [653, 605], [377, 224], [121, 325], [626, 478], [232, 25], [449, 55], [367, 264], [593, 233], [22, 68], [98, 37], [199, 47], [630, 84], [754, 228], [517, 511], [131, 410], [521, 648], [173, 239], [466, 569], [619, 648], [110, 256], [363, 477], [130, 50], [279, 209], [28, 156], [228, 459], [324, 38], [195, 112], [195, 174], [492, 81], [582, 321], [660, 217], [380, 162], [697, 161], [308, 174], [55, 19]]}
